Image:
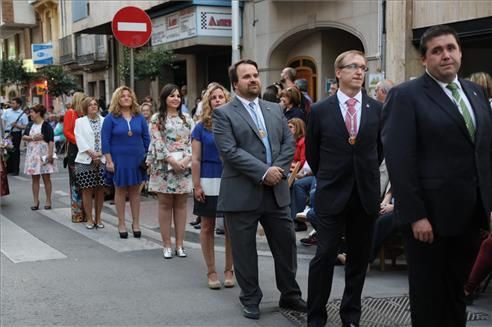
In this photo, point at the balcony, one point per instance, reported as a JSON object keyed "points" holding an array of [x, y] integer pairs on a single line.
{"points": [[67, 50], [92, 51]]}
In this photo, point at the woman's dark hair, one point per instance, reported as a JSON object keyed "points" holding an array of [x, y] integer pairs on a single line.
{"points": [[40, 109], [271, 94], [166, 91]]}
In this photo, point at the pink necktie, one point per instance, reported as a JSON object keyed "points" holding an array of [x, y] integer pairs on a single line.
{"points": [[351, 117]]}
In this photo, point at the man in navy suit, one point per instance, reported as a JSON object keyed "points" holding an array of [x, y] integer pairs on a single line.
{"points": [[344, 153], [437, 136]]}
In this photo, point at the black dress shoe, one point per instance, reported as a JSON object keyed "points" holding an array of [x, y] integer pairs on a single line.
{"points": [[251, 311], [294, 304], [197, 220], [351, 324]]}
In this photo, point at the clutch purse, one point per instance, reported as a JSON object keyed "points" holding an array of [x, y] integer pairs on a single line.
{"points": [[177, 155]]}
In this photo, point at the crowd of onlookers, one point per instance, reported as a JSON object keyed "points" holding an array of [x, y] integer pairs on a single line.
{"points": [[167, 147]]}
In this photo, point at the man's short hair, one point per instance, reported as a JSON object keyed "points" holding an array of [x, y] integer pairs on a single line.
{"points": [[290, 73], [385, 85], [339, 61], [436, 31], [233, 69], [18, 100]]}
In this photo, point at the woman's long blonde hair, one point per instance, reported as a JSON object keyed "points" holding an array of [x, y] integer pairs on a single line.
{"points": [[206, 117], [77, 99], [114, 107]]}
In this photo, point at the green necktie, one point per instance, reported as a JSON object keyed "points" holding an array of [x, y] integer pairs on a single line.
{"points": [[464, 109]]}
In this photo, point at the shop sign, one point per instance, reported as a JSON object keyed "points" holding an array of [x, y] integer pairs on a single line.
{"points": [[42, 53], [174, 27], [214, 21]]}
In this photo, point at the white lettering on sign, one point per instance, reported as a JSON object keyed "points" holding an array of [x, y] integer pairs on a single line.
{"points": [[132, 27]]}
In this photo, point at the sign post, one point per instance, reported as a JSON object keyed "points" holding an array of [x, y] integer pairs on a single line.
{"points": [[132, 27]]}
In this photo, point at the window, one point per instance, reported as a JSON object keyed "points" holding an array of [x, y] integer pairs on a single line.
{"points": [[80, 9]]}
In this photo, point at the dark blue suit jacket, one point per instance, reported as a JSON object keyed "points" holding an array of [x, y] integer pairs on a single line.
{"points": [[435, 169], [339, 166]]}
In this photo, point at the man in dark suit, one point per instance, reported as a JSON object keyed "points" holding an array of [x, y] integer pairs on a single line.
{"points": [[257, 149], [437, 136], [343, 151]]}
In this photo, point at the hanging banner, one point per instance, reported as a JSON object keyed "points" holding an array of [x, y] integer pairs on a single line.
{"points": [[42, 54]]}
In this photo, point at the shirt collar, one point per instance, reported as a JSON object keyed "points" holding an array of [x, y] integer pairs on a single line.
{"points": [[247, 102], [342, 97], [442, 84]]}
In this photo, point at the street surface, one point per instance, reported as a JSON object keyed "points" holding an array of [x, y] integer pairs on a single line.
{"points": [[54, 272]]}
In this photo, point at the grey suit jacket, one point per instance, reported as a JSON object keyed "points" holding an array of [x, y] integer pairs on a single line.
{"points": [[244, 156]]}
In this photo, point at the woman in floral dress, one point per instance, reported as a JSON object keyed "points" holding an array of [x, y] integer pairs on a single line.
{"points": [[39, 155], [169, 159]]}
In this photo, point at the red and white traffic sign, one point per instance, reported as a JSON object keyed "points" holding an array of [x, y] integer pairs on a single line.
{"points": [[132, 27]]}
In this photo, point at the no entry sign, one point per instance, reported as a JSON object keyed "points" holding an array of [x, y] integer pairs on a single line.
{"points": [[132, 27]]}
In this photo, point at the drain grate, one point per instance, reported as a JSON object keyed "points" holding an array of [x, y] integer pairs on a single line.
{"points": [[376, 312]]}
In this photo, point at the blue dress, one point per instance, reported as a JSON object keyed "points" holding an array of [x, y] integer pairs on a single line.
{"points": [[127, 152], [210, 172]]}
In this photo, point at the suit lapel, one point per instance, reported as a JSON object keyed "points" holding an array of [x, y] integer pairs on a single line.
{"points": [[238, 106], [437, 95], [365, 107], [474, 99], [334, 106]]}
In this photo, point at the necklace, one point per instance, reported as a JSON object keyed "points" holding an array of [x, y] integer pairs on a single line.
{"points": [[130, 133]]}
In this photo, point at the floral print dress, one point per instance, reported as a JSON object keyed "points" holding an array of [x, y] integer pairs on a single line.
{"points": [[35, 150], [176, 137]]}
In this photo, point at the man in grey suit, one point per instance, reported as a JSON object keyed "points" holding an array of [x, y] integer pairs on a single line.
{"points": [[257, 149]]}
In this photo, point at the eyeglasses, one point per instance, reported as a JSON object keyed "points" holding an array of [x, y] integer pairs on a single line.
{"points": [[355, 67]]}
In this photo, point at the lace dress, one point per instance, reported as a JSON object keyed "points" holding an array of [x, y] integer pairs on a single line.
{"points": [[33, 165]]}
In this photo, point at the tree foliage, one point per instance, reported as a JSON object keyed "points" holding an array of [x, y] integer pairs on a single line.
{"points": [[13, 72], [148, 62], [59, 82]]}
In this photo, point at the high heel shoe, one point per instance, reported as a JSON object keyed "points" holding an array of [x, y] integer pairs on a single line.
{"points": [[213, 284], [123, 234], [36, 207], [136, 233], [197, 221], [228, 283], [90, 226]]}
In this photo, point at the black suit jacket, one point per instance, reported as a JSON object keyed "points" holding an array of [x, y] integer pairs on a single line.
{"points": [[435, 169], [339, 166]]}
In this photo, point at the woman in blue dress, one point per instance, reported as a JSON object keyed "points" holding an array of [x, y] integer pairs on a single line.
{"points": [[206, 172], [125, 140]]}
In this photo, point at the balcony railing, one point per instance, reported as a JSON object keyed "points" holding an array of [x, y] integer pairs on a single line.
{"points": [[67, 50], [92, 50]]}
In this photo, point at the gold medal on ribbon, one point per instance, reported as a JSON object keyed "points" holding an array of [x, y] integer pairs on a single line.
{"points": [[351, 140], [130, 133]]}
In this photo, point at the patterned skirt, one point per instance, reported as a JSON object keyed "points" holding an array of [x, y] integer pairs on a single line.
{"points": [[89, 175]]}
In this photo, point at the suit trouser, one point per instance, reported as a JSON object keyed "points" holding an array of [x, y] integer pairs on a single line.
{"points": [[437, 274], [279, 230], [13, 162], [357, 226]]}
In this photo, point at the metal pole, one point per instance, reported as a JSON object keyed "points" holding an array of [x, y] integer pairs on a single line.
{"points": [[236, 53], [132, 73]]}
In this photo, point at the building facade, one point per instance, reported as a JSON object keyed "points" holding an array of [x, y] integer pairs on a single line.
{"points": [[306, 35]]}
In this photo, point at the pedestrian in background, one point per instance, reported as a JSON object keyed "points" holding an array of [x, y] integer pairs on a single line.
{"points": [[484, 80], [125, 140], [147, 111], [206, 172], [39, 161], [71, 116], [15, 120], [170, 161], [89, 163]]}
